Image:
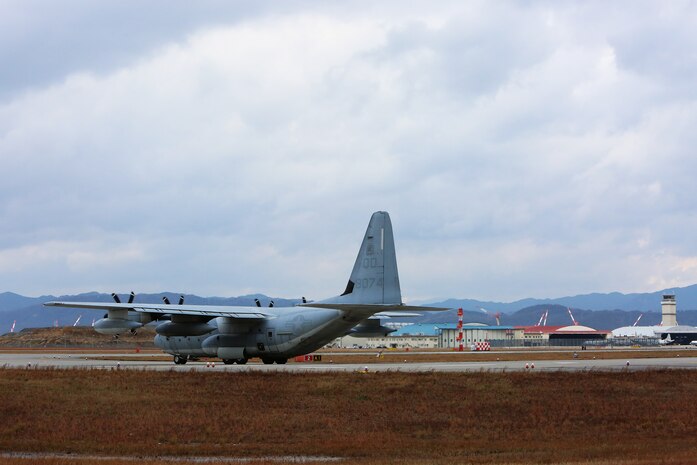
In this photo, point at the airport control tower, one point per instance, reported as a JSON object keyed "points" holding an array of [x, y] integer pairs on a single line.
{"points": [[668, 311]]}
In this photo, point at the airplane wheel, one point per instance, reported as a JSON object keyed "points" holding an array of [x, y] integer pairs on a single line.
{"points": [[180, 359], [281, 361], [241, 361], [228, 361], [267, 361]]}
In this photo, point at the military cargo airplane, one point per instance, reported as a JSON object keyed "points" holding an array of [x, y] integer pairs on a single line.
{"points": [[274, 334]]}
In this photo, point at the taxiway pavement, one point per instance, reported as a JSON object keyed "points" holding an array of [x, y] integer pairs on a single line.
{"points": [[73, 360]]}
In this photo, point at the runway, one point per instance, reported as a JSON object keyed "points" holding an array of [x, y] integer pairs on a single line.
{"points": [[73, 360]]}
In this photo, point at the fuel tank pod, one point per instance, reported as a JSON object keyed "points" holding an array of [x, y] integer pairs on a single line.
{"points": [[115, 326]]}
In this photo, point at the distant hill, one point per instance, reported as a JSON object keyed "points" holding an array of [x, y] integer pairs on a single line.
{"points": [[558, 315], [76, 337], [11, 301], [645, 302], [30, 313]]}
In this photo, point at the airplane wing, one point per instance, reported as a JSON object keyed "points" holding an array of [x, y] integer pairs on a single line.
{"points": [[387, 310], [173, 309], [384, 311]]}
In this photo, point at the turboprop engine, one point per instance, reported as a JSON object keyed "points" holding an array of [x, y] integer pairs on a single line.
{"points": [[115, 326], [120, 321], [117, 321]]}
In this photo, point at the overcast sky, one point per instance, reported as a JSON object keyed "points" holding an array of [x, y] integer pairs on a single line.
{"points": [[523, 149]]}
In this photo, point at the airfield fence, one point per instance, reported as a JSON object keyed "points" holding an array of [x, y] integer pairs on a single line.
{"points": [[575, 342], [565, 342]]}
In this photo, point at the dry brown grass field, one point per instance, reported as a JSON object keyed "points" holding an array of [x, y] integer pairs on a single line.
{"points": [[670, 460], [515, 355], [75, 336], [365, 358], [582, 417]]}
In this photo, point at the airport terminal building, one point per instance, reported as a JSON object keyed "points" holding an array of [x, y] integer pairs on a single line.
{"points": [[413, 336], [573, 335], [497, 336], [447, 335], [519, 336], [669, 331]]}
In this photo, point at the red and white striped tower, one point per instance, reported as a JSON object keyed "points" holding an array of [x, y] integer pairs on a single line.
{"points": [[459, 329]]}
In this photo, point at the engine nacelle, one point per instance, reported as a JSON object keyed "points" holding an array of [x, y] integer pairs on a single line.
{"points": [[170, 328], [225, 346], [115, 326]]}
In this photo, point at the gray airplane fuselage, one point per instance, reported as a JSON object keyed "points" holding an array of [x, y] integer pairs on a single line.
{"points": [[294, 331]]}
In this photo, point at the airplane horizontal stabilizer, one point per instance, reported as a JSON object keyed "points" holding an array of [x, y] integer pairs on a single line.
{"points": [[395, 315]]}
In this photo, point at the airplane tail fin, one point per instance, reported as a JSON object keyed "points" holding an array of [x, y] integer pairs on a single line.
{"points": [[374, 279]]}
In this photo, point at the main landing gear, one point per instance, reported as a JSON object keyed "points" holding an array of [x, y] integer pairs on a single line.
{"points": [[182, 359]]}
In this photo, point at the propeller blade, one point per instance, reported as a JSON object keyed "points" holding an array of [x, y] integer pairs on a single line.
{"points": [[165, 300], [271, 304], [131, 297], [304, 300], [256, 301], [181, 300], [115, 297]]}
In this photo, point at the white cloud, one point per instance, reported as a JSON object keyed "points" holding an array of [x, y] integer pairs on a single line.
{"points": [[519, 151]]}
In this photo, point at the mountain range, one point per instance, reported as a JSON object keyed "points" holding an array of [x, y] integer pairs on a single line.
{"points": [[29, 312], [600, 311], [645, 302]]}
